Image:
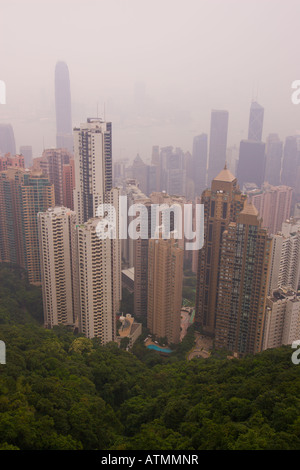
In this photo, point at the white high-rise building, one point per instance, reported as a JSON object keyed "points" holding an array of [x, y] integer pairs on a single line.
{"points": [[99, 272], [282, 319], [285, 257], [57, 241], [93, 166]]}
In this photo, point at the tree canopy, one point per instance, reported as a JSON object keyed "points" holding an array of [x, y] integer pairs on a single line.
{"points": [[59, 390]]}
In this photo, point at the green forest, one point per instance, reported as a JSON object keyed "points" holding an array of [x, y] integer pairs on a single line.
{"points": [[59, 390]]}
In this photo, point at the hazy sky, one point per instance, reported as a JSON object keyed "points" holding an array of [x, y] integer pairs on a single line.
{"points": [[192, 56]]}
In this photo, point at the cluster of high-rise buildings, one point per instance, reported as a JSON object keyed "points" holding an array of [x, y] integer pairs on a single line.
{"points": [[251, 247], [248, 270]]}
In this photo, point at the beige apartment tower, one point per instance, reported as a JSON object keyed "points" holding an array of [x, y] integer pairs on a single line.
{"points": [[57, 240], [282, 319], [97, 287], [222, 204], [242, 287], [99, 275], [165, 274]]}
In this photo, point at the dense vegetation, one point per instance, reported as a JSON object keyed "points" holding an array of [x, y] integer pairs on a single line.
{"points": [[63, 391]]}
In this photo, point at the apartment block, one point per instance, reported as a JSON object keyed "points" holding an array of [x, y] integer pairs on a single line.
{"points": [[57, 238], [282, 319], [165, 274]]}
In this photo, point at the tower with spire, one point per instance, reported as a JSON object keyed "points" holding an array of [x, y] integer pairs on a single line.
{"points": [[223, 202]]}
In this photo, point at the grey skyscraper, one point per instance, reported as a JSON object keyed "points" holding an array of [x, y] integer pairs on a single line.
{"points": [[217, 143], [64, 137], [256, 120], [199, 163], [26, 151], [273, 159], [251, 165], [7, 139], [291, 161]]}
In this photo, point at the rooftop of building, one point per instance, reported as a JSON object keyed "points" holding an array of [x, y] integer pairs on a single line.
{"points": [[129, 273], [59, 210], [225, 175], [285, 293], [249, 209], [129, 326]]}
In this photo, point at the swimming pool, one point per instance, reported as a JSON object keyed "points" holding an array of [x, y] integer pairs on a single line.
{"points": [[158, 348]]}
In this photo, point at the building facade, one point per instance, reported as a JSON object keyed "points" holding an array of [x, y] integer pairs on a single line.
{"points": [[165, 274], [243, 283], [273, 204], [93, 166], [256, 120], [282, 319], [222, 204], [57, 238]]}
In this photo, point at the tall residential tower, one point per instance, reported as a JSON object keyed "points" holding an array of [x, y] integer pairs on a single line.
{"points": [[93, 166], [222, 204]]}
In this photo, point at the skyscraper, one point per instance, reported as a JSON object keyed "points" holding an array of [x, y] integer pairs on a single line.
{"points": [[140, 172], [199, 163], [57, 237], [55, 161], [69, 184], [7, 139], [222, 204], [36, 195], [273, 204], [99, 282], [141, 245], [165, 274], [173, 171], [256, 120], [11, 240], [64, 138], [242, 288], [274, 149], [26, 151], [81, 272], [232, 158], [282, 318], [93, 166], [22, 195], [217, 143], [251, 164], [134, 196], [285, 257], [291, 161]]}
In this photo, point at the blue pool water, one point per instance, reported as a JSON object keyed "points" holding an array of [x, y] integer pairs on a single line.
{"points": [[157, 348]]}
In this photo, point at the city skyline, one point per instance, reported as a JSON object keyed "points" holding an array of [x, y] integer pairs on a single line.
{"points": [[150, 227], [177, 105]]}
